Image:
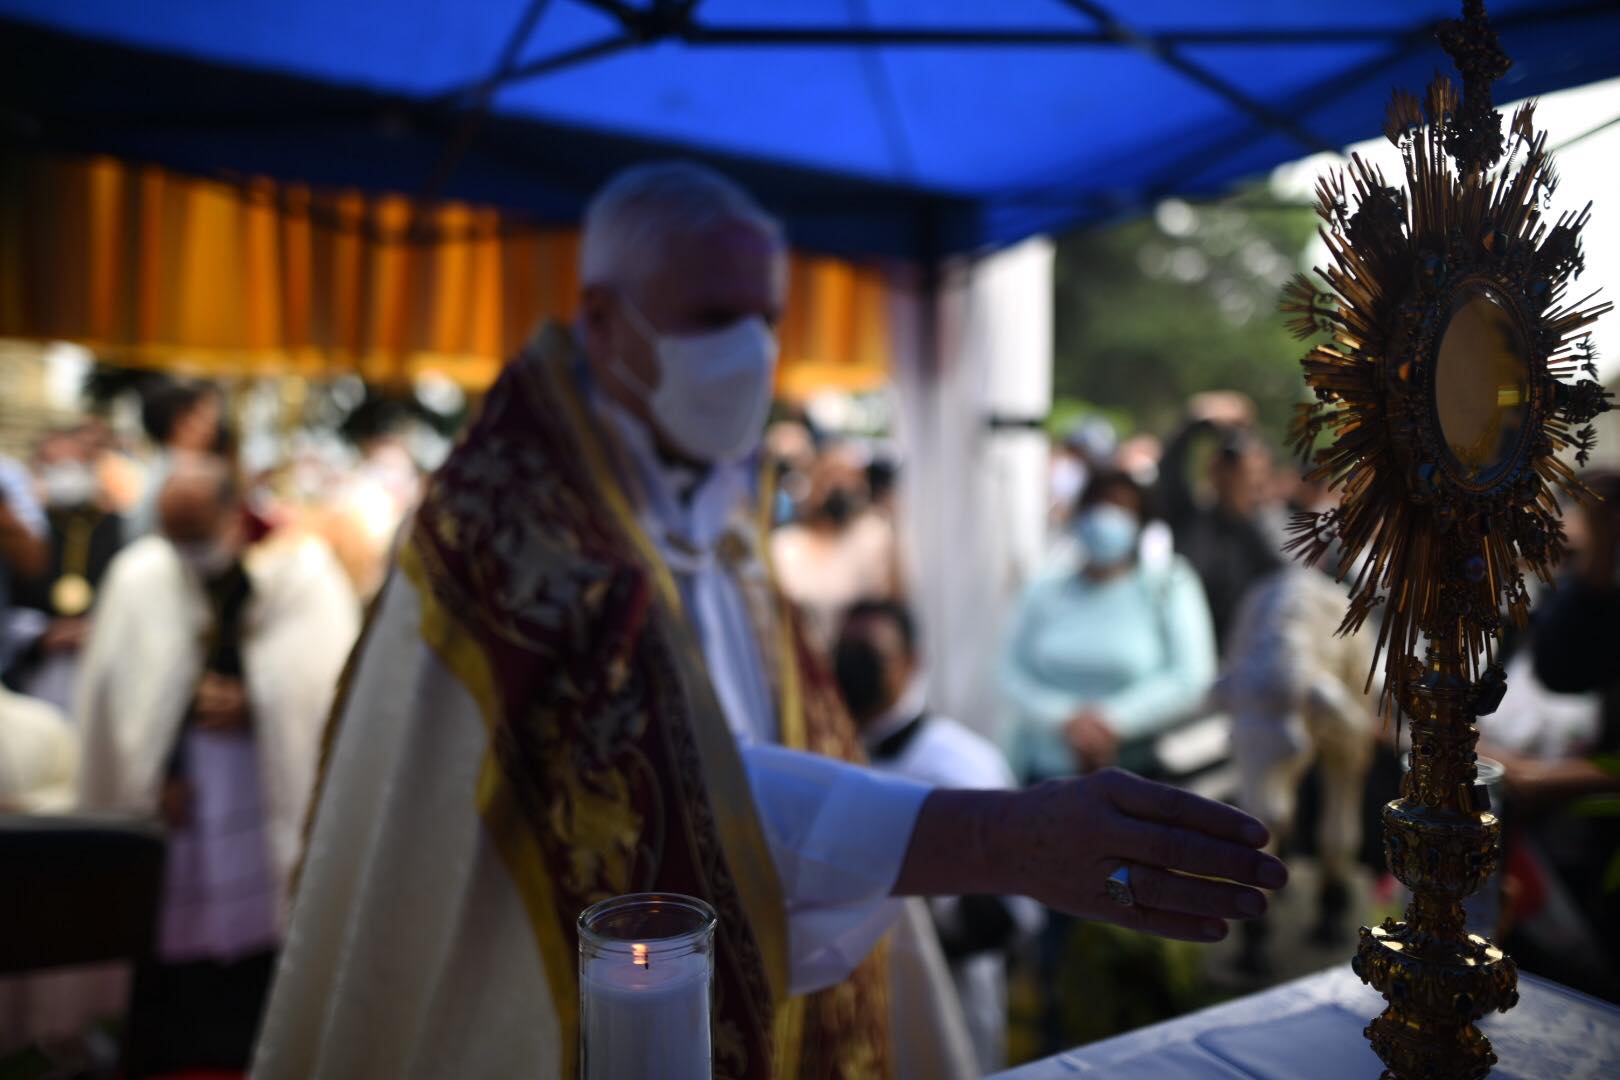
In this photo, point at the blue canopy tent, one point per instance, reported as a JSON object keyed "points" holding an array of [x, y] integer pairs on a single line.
{"points": [[908, 128]]}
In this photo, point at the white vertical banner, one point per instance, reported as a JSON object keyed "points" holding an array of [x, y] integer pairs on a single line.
{"points": [[973, 367]]}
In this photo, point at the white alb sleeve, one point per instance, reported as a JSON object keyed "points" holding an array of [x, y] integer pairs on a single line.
{"points": [[838, 834]]}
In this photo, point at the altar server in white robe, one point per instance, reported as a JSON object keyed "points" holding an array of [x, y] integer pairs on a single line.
{"points": [[205, 687], [580, 681]]}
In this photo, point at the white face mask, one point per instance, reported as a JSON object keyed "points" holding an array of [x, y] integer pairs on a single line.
{"points": [[714, 388], [68, 484]]}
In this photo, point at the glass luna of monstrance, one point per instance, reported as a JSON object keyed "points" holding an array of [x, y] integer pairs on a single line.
{"points": [[1482, 385]]}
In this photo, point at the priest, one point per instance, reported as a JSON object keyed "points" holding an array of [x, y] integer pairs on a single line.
{"points": [[580, 681]]}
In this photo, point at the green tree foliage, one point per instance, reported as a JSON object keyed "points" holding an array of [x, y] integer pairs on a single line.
{"points": [[1152, 310]]}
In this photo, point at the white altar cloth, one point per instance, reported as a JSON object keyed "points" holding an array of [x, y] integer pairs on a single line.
{"points": [[1313, 1027]]}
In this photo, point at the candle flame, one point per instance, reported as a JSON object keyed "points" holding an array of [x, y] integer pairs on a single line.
{"points": [[638, 955]]}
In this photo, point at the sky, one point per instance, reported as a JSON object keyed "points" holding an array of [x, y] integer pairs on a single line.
{"points": [[1587, 169]]}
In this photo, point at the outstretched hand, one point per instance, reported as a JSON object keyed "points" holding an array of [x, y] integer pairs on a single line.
{"points": [[1194, 863]]}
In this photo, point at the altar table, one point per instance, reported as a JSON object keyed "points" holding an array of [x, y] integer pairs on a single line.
{"points": [[1312, 1028]]}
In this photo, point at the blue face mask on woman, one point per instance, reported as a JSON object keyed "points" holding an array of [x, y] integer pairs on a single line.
{"points": [[1108, 533]]}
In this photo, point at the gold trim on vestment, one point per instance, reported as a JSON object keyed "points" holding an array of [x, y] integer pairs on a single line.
{"points": [[741, 835], [791, 728], [459, 652], [787, 1035], [788, 1032], [525, 863]]}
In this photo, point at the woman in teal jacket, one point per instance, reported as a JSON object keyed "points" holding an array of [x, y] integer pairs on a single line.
{"points": [[1101, 660]]}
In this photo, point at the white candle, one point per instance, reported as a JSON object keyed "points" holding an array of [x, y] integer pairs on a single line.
{"points": [[644, 1005], [645, 1021]]}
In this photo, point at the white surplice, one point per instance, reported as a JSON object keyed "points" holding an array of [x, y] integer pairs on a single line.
{"points": [[839, 838], [140, 670]]}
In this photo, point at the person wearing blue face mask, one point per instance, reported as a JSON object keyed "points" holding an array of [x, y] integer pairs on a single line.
{"points": [[1100, 660]]}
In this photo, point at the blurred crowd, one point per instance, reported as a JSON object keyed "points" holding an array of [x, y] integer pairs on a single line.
{"points": [[172, 631], [171, 634]]}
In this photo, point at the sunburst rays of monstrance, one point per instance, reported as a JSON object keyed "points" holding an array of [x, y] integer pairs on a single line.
{"points": [[1448, 398]]}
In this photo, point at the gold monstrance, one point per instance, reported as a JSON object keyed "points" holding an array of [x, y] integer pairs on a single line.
{"points": [[1446, 395]]}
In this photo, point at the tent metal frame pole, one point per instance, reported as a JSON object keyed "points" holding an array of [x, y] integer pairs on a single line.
{"points": [[891, 117], [619, 10], [581, 54], [696, 33], [1315, 97], [1171, 57], [1197, 162], [473, 118], [742, 34]]}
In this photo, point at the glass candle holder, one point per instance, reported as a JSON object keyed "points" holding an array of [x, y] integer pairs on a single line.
{"points": [[1483, 910], [646, 964]]}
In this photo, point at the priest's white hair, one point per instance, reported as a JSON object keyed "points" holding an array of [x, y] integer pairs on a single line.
{"points": [[644, 208]]}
